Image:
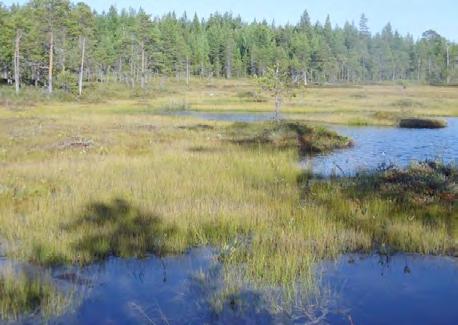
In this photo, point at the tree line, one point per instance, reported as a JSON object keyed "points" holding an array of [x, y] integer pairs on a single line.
{"points": [[57, 43]]}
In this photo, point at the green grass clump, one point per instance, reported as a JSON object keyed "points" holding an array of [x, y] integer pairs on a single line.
{"points": [[175, 106], [358, 122], [411, 210], [407, 103], [253, 96], [287, 135], [21, 295]]}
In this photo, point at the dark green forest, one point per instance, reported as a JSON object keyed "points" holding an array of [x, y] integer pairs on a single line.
{"points": [[60, 44]]}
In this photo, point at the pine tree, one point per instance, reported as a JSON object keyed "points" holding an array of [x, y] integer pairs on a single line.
{"points": [[83, 30], [143, 30], [363, 27], [51, 18], [45, 36]]}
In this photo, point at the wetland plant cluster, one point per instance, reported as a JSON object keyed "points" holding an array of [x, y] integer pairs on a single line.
{"points": [[410, 209], [23, 295], [287, 135], [422, 123]]}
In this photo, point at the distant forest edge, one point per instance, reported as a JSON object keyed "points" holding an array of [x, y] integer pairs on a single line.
{"points": [[59, 44]]}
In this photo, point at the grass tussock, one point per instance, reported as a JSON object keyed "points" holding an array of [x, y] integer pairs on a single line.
{"points": [[287, 135], [21, 295], [407, 103], [162, 189], [411, 210], [253, 96], [422, 123]]}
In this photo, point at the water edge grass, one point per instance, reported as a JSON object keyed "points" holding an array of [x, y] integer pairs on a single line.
{"points": [[23, 295]]}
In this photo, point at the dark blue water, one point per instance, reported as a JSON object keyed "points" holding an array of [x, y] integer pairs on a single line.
{"points": [[149, 291], [356, 289], [174, 290], [375, 146], [401, 289]]}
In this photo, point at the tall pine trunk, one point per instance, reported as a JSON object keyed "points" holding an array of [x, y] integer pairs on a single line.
{"points": [[17, 61], [143, 65], [51, 61], [418, 69], [80, 81], [278, 99], [228, 62], [187, 71], [132, 67], [448, 65]]}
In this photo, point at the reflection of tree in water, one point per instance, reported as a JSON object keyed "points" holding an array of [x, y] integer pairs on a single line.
{"points": [[208, 297], [385, 262], [232, 300]]}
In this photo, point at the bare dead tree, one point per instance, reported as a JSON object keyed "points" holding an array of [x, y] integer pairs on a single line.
{"points": [[142, 79], [17, 75], [51, 61], [80, 81]]}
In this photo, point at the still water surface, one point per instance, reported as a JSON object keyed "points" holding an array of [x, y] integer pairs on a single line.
{"points": [[359, 289], [376, 146]]}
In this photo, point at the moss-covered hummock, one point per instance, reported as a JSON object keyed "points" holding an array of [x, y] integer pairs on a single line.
{"points": [[287, 134], [422, 123]]}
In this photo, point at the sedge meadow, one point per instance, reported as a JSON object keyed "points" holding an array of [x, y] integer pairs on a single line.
{"points": [[217, 168], [131, 176]]}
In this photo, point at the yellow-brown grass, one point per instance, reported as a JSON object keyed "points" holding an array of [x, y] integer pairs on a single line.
{"points": [[67, 168]]}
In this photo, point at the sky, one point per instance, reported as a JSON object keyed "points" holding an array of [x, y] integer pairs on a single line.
{"points": [[406, 16]]}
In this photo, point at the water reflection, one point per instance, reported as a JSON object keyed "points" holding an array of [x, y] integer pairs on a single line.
{"points": [[359, 289], [375, 146], [402, 289], [152, 290], [174, 290]]}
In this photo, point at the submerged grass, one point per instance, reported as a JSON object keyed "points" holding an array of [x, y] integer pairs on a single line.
{"points": [[21, 294]]}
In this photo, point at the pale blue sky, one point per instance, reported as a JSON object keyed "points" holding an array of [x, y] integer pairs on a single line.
{"points": [[407, 16]]}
